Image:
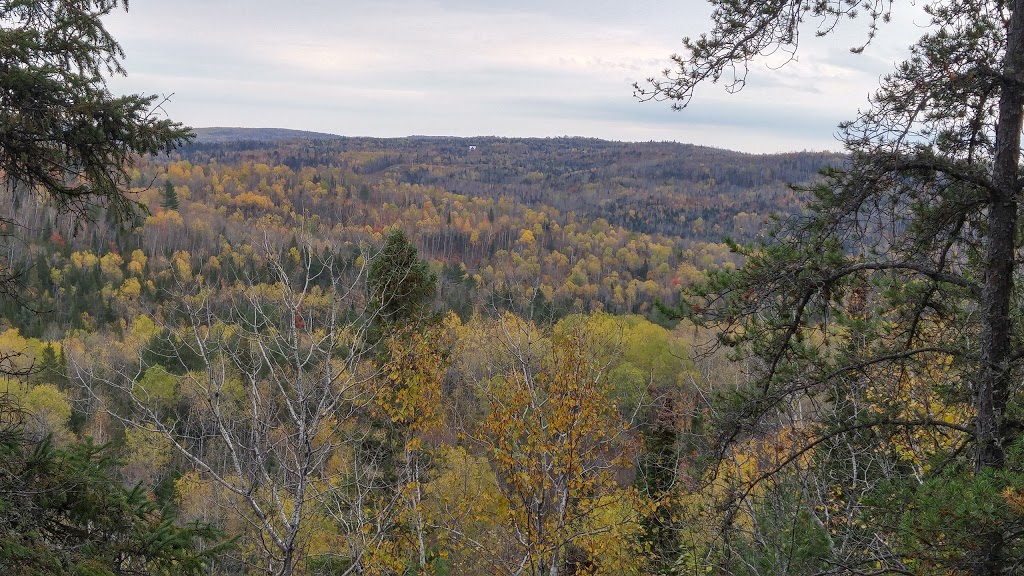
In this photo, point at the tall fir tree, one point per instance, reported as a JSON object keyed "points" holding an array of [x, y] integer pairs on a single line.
{"points": [[170, 198]]}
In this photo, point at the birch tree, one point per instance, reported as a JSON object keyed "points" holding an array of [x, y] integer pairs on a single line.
{"points": [[270, 404]]}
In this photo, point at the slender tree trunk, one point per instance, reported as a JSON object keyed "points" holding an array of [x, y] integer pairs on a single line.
{"points": [[288, 562], [994, 382], [412, 465], [995, 377]]}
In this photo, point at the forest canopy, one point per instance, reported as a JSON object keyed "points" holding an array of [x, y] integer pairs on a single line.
{"points": [[286, 353]]}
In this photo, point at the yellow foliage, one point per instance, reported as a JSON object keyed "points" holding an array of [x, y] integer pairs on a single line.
{"points": [[182, 265], [411, 394], [557, 444], [149, 452], [143, 328], [49, 410], [165, 219], [465, 499], [198, 499], [251, 200], [130, 289], [1014, 498], [137, 265], [15, 350], [110, 266], [910, 395], [526, 238], [84, 259]]}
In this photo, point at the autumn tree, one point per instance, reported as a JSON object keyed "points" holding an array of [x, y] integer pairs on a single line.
{"points": [[266, 395], [901, 283], [560, 451], [65, 136], [411, 403]]}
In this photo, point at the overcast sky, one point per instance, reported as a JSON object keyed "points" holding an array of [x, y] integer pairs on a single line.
{"points": [[465, 68]]}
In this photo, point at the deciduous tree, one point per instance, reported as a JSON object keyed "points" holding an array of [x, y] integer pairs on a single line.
{"points": [[561, 453], [267, 396]]}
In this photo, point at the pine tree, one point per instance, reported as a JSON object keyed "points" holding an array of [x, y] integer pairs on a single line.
{"points": [[402, 286], [884, 325]]}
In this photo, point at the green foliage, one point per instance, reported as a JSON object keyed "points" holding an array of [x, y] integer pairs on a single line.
{"points": [[168, 351], [170, 198], [64, 132], [640, 358], [63, 511], [50, 367], [158, 385], [937, 522], [790, 539], [401, 285], [891, 306]]}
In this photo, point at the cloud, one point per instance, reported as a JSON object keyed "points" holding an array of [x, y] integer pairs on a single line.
{"points": [[458, 67]]}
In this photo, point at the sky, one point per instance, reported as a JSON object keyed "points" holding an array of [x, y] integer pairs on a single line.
{"points": [[517, 68]]}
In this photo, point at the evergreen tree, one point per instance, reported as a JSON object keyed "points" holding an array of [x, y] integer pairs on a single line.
{"points": [[62, 511], [170, 199], [50, 367], [885, 324], [65, 134], [401, 285]]}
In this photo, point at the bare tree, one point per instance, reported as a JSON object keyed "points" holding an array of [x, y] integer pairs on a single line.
{"points": [[273, 381]]}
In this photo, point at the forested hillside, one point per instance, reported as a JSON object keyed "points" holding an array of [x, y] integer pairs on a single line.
{"points": [[552, 226], [384, 356], [276, 352], [655, 187]]}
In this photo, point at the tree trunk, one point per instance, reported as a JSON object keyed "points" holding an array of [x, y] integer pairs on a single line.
{"points": [[994, 380], [995, 377], [288, 562]]}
